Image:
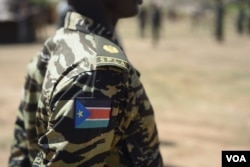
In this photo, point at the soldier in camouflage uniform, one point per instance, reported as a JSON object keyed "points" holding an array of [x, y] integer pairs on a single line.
{"points": [[83, 103]]}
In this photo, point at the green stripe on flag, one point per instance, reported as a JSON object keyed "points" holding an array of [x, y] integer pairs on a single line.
{"points": [[93, 124]]}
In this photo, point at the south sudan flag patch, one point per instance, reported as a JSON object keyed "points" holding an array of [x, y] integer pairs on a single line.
{"points": [[92, 113]]}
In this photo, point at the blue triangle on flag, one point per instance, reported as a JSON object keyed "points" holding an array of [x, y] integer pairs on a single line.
{"points": [[81, 113]]}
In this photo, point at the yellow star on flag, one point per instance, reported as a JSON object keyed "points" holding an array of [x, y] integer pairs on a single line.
{"points": [[80, 113]]}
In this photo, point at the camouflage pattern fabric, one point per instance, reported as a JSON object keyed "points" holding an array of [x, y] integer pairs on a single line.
{"points": [[84, 104]]}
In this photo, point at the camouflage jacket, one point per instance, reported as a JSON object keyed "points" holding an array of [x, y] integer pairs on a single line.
{"points": [[84, 104]]}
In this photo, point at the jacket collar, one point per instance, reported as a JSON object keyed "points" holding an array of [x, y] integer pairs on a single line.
{"points": [[78, 22]]}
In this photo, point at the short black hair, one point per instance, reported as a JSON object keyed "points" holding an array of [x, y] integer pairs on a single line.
{"points": [[79, 5], [76, 3]]}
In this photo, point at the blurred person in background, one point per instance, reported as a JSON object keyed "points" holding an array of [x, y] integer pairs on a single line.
{"points": [[26, 27], [156, 22], [241, 17], [61, 9], [219, 20], [83, 102], [142, 17], [248, 16]]}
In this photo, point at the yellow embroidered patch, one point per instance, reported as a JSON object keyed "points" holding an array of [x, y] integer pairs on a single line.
{"points": [[110, 49]]}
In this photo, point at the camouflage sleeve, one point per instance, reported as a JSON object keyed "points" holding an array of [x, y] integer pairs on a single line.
{"points": [[76, 125], [24, 145], [141, 137]]}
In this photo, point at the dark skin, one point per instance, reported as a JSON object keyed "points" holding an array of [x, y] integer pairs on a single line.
{"points": [[108, 12]]}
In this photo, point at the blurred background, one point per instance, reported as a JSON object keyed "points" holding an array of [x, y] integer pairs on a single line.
{"points": [[194, 59]]}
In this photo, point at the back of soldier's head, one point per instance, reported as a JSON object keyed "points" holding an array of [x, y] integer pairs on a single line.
{"points": [[117, 8], [82, 4]]}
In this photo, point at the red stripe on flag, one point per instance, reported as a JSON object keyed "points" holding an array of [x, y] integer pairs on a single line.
{"points": [[99, 113]]}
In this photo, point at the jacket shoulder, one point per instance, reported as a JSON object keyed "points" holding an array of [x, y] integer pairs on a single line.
{"points": [[110, 54]]}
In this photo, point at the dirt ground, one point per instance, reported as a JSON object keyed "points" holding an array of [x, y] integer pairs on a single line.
{"points": [[199, 89]]}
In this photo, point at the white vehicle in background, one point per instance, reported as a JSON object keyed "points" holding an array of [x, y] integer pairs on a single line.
{"points": [[22, 21], [6, 13], [8, 22]]}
